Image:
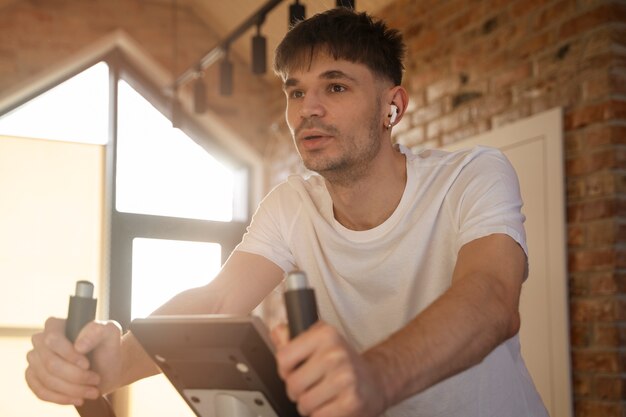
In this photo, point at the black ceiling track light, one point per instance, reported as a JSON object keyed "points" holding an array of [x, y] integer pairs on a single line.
{"points": [[345, 3], [199, 93], [296, 13], [226, 74], [259, 50], [220, 52]]}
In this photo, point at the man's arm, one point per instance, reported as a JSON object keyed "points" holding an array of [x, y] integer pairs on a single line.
{"points": [[240, 286], [476, 314], [57, 368]]}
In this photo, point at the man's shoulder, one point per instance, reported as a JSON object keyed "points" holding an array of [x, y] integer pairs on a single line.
{"points": [[296, 189], [444, 169], [308, 181], [464, 156], [296, 183]]}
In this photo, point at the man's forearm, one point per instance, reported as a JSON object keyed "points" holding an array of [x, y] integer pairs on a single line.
{"points": [[136, 364], [222, 295], [454, 333]]}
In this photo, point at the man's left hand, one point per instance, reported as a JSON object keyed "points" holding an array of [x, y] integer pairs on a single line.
{"points": [[325, 376]]}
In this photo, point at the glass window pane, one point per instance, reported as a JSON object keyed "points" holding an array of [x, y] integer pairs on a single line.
{"points": [[16, 399], [161, 171], [163, 268], [75, 110], [51, 196]]}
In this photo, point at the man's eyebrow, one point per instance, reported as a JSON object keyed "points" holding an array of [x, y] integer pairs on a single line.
{"points": [[289, 82], [326, 75], [336, 75]]}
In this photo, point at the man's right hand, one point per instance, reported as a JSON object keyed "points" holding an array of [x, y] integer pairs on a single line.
{"points": [[60, 372]]}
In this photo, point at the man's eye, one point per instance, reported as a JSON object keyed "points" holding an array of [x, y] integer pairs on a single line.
{"points": [[296, 94], [337, 88]]}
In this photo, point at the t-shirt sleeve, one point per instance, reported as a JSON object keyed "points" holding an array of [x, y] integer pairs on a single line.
{"points": [[268, 232], [486, 199]]}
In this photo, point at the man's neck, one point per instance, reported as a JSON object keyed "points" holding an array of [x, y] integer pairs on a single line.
{"points": [[368, 200]]}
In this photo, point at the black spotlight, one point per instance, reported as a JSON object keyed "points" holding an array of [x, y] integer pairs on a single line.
{"points": [[259, 52], [296, 13], [226, 76], [199, 94], [346, 3]]}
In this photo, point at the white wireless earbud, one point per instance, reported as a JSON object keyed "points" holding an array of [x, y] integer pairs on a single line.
{"points": [[394, 114]]}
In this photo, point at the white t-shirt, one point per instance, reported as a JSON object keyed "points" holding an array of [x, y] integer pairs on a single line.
{"points": [[371, 283]]}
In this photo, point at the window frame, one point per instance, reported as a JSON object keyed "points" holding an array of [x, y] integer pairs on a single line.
{"points": [[124, 227]]}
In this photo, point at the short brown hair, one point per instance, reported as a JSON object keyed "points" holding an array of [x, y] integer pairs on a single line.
{"points": [[344, 34]]}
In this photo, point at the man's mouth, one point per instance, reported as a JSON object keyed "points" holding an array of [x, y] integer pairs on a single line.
{"points": [[314, 141]]}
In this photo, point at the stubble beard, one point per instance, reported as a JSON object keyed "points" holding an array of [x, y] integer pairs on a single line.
{"points": [[353, 163]]}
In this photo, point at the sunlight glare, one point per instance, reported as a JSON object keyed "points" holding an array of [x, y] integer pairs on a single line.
{"points": [[162, 171], [163, 268], [73, 111]]}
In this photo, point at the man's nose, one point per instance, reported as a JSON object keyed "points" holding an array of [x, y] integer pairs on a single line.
{"points": [[312, 106]]}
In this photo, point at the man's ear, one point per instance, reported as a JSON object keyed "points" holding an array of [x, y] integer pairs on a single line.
{"points": [[398, 100]]}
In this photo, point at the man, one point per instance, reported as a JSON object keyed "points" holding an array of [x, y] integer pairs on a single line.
{"points": [[417, 260]]}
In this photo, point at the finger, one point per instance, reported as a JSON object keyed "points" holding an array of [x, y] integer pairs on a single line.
{"points": [[330, 409], [294, 348], [95, 334], [54, 325], [45, 394], [51, 388], [290, 356], [340, 384], [328, 366], [280, 335], [90, 336], [318, 337], [111, 334], [345, 404], [51, 368], [53, 341], [302, 381]]}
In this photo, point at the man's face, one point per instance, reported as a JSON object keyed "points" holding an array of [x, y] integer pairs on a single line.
{"points": [[334, 112]]}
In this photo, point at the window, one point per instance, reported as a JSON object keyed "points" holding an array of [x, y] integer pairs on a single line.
{"points": [[162, 268], [162, 171], [66, 216]]}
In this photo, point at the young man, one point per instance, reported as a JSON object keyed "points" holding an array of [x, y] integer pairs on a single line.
{"points": [[417, 260]]}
